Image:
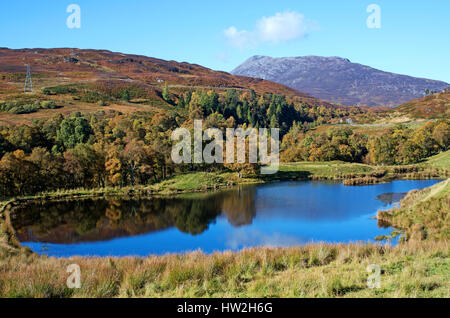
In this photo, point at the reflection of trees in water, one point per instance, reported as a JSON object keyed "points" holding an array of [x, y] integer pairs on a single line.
{"points": [[383, 224], [114, 212], [239, 206], [390, 198], [96, 220], [194, 216]]}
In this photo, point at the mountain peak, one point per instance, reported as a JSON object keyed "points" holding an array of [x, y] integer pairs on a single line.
{"points": [[338, 80], [306, 57]]}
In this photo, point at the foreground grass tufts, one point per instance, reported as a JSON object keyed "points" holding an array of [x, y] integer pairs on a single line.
{"points": [[410, 270]]}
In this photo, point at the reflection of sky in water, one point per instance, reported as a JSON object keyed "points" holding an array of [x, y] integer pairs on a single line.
{"points": [[287, 214], [317, 201], [242, 238]]}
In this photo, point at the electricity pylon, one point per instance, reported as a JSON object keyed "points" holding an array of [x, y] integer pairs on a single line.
{"points": [[28, 81]]}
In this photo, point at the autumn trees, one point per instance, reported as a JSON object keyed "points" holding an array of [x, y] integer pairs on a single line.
{"points": [[91, 151], [22, 173], [402, 145], [111, 149], [337, 144], [397, 145]]}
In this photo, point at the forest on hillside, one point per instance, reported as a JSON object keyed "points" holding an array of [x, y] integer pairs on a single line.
{"points": [[103, 148]]}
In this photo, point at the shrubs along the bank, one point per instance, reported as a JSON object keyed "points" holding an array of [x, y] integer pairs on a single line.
{"points": [[423, 214]]}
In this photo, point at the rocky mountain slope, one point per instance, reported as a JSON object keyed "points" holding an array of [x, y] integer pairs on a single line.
{"points": [[338, 80]]}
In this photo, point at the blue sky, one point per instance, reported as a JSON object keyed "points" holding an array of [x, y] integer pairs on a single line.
{"points": [[414, 37]]}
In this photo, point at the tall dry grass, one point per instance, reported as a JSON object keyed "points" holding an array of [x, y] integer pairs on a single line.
{"points": [[410, 270]]}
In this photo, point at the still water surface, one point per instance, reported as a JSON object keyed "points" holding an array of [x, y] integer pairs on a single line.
{"points": [[278, 214]]}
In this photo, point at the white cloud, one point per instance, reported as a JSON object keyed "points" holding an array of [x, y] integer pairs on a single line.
{"points": [[239, 39], [281, 27]]}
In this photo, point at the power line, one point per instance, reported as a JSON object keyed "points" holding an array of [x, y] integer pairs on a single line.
{"points": [[28, 81]]}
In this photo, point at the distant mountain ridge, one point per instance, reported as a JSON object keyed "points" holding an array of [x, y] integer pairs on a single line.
{"points": [[338, 80]]}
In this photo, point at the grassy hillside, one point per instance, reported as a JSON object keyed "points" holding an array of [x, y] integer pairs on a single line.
{"points": [[417, 111], [441, 160], [84, 80], [423, 214], [147, 77], [432, 106]]}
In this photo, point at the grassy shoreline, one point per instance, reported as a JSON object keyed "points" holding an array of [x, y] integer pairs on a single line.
{"points": [[195, 182], [423, 214]]}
